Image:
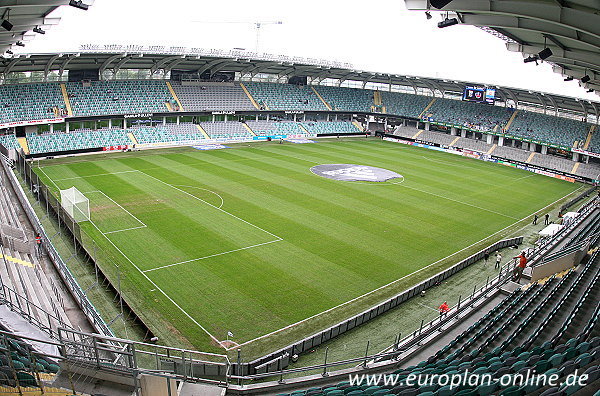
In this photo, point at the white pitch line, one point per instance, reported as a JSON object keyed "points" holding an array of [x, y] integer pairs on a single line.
{"points": [[99, 174], [212, 255], [395, 281], [209, 204], [205, 189], [128, 212], [125, 229], [460, 202], [52, 181], [426, 306], [156, 286]]}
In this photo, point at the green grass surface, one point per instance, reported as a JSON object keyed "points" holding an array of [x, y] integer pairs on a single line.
{"points": [[248, 240]]}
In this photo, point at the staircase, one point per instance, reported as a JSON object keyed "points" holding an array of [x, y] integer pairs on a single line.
{"points": [[23, 143], [510, 120], [427, 108], [254, 103], [202, 131], [170, 87], [132, 138], [358, 125], [63, 89], [530, 158], [321, 98], [248, 129], [589, 137]]}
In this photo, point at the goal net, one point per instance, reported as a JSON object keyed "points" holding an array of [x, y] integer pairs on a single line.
{"points": [[76, 204]]}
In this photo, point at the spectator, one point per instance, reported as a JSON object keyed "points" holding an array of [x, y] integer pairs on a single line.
{"points": [[535, 219], [444, 309], [547, 219], [498, 260], [38, 243], [518, 271], [486, 256]]}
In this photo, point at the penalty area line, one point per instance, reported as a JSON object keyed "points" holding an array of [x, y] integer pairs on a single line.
{"points": [[213, 255], [158, 288]]}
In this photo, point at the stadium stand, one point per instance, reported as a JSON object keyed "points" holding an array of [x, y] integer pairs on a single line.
{"points": [[20, 363], [266, 128], [553, 162], [472, 144], [26, 102], [168, 133], [330, 127], [9, 141], [273, 96], [119, 97], [210, 97], [347, 99], [226, 130], [590, 170], [471, 115], [546, 128], [434, 137], [594, 145], [511, 153], [82, 139], [405, 105]]}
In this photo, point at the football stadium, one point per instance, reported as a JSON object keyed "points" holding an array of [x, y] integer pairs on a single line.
{"points": [[188, 221]]}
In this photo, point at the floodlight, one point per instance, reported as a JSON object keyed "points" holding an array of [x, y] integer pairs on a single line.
{"points": [[20, 44], [9, 52], [440, 3], [585, 79], [39, 30], [569, 78], [531, 58], [428, 15], [79, 4], [545, 53], [448, 22], [6, 25], [590, 90]]}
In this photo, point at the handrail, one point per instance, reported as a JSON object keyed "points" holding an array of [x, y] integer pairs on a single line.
{"points": [[7, 298]]}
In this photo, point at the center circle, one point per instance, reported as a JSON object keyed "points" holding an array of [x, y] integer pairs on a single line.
{"points": [[353, 172]]}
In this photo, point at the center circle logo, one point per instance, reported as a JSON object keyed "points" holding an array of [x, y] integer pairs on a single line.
{"points": [[351, 172]]}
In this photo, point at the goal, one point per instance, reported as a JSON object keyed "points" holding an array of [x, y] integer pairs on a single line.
{"points": [[76, 204]]}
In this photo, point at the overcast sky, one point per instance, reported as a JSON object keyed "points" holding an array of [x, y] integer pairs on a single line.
{"points": [[382, 36]]}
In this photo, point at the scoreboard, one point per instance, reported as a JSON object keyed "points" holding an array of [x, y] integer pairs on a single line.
{"points": [[479, 94]]}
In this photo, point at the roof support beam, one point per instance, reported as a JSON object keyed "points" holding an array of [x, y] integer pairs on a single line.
{"points": [[49, 66]]}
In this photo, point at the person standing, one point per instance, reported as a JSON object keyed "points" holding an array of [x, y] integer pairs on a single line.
{"points": [[547, 219], [518, 271], [498, 260], [444, 308], [535, 219], [486, 256], [38, 243]]}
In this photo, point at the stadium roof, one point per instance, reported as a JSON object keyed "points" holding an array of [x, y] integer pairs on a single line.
{"points": [[199, 61], [24, 16], [570, 29]]}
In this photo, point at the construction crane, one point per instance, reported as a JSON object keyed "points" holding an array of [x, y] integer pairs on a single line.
{"points": [[257, 25]]}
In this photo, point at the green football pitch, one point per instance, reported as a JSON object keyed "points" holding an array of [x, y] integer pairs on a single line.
{"points": [[249, 240]]}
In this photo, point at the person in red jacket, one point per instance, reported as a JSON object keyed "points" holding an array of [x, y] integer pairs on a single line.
{"points": [[518, 271], [444, 308]]}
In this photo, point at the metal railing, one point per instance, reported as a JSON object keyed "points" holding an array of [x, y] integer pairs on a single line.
{"points": [[79, 295], [34, 314]]}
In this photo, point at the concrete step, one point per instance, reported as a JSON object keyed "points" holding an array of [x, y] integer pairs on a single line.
{"points": [[188, 389]]}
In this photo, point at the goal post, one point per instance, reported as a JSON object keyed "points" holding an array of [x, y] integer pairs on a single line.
{"points": [[76, 204]]}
